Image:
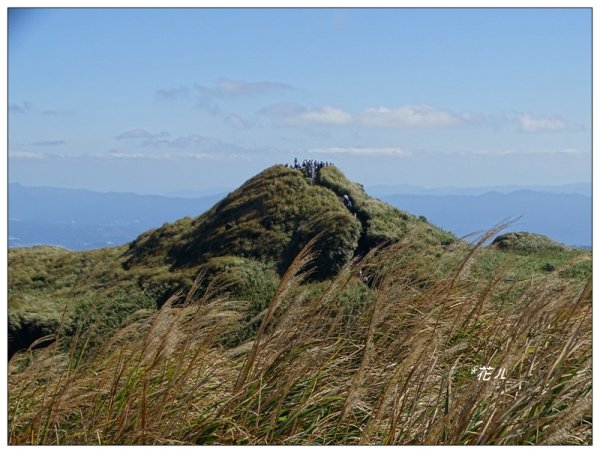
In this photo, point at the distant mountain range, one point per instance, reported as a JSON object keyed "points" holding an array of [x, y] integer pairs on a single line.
{"points": [[82, 219], [583, 188], [566, 218]]}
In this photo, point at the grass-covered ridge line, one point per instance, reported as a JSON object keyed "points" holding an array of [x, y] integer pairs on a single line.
{"points": [[265, 222], [261, 226], [269, 218], [333, 363], [273, 215], [225, 329]]}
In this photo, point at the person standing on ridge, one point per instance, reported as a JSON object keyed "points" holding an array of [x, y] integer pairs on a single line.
{"points": [[347, 202]]}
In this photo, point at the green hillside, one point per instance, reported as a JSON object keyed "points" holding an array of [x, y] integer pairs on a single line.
{"points": [[272, 216], [266, 221], [284, 315]]}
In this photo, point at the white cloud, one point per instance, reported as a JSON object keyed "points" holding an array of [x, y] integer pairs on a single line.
{"points": [[49, 143], [26, 155], [121, 155], [407, 116], [142, 137], [224, 152], [192, 140], [180, 92], [404, 116], [559, 152], [531, 123], [153, 156], [201, 156], [325, 115], [230, 87], [491, 152], [239, 88], [238, 122], [298, 116], [199, 146], [140, 134], [512, 152], [57, 113], [359, 151], [570, 151]]}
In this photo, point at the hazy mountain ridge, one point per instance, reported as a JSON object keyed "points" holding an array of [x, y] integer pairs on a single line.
{"points": [[258, 229], [582, 188], [82, 219], [286, 287], [566, 218]]}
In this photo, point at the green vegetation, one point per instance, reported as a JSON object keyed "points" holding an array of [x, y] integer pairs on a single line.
{"points": [[282, 317], [527, 243], [269, 219], [381, 222], [51, 289], [333, 364], [528, 254], [241, 279]]}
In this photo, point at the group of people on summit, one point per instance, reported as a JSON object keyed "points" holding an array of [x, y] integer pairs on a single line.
{"points": [[310, 167]]}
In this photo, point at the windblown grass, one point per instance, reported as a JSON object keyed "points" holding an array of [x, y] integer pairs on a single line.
{"points": [[384, 354]]}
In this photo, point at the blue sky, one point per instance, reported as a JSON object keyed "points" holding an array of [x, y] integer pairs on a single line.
{"points": [[160, 100]]}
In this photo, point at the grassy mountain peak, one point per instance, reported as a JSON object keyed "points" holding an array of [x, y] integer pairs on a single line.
{"points": [[194, 334], [272, 216]]}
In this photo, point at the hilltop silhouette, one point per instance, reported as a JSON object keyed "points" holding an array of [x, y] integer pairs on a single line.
{"points": [[250, 238], [273, 215]]}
